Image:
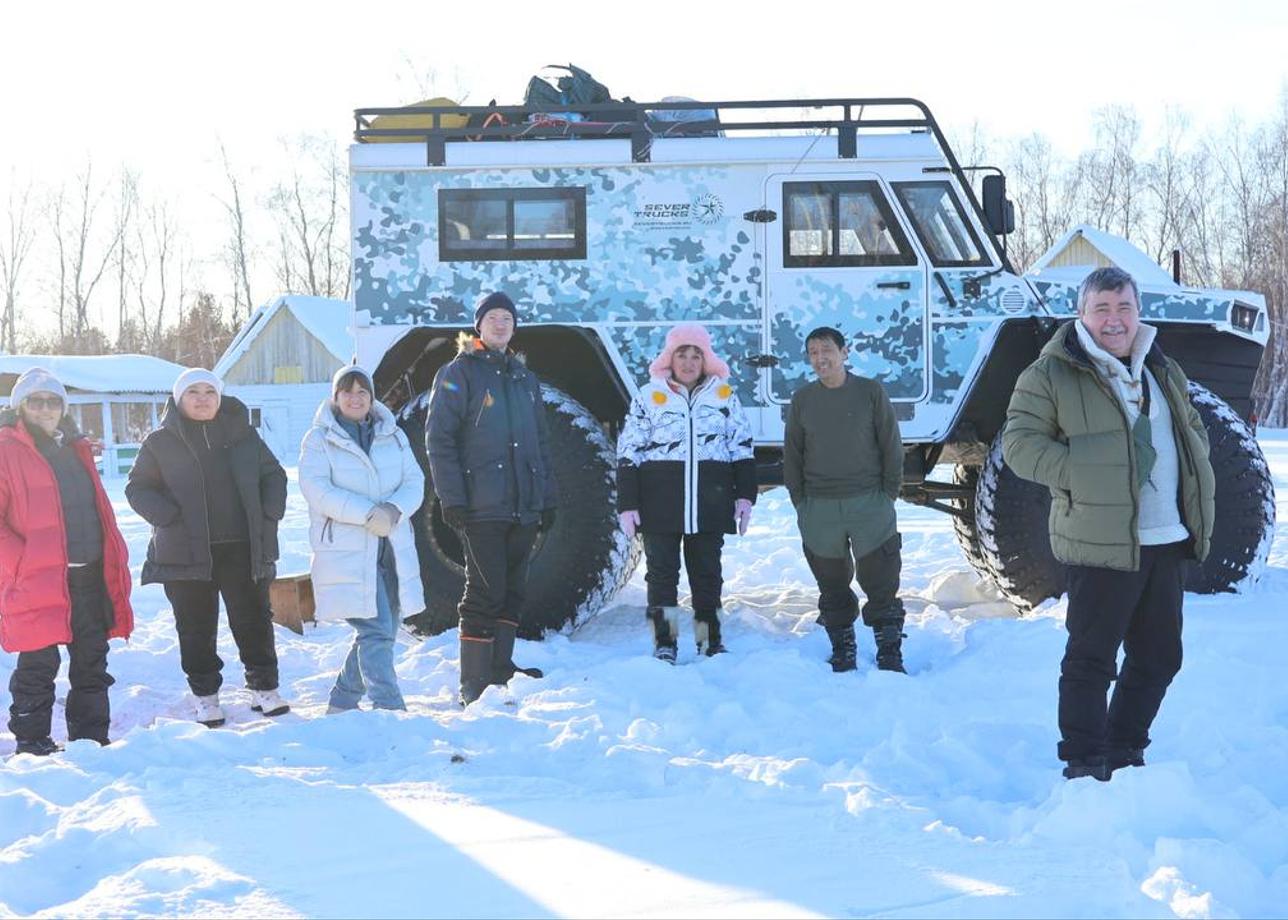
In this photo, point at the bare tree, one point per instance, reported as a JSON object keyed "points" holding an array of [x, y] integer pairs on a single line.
{"points": [[1203, 217], [1166, 190], [1107, 174], [57, 221], [156, 244], [427, 82], [126, 204], [311, 215], [1244, 187], [1269, 272], [15, 247], [83, 253], [237, 249], [1039, 186]]}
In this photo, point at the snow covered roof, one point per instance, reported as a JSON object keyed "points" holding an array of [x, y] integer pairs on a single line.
{"points": [[328, 319], [1117, 250], [97, 373]]}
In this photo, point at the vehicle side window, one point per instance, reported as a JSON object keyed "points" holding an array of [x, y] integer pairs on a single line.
{"points": [[484, 225], [940, 224], [841, 224]]}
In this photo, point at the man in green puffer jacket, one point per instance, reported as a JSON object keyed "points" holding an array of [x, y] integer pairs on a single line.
{"points": [[1103, 419]]}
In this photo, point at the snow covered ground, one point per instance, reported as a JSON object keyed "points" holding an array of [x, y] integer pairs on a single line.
{"points": [[756, 783]]}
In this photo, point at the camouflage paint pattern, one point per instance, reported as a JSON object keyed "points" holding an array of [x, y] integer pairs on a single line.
{"points": [[885, 327], [635, 270], [1174, 306], [955, 347], [641, 275], [1002, 294]]}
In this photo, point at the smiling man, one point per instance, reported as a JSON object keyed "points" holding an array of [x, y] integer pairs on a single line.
{"points": [[1103, 419], [843, 467], [489, 461]]}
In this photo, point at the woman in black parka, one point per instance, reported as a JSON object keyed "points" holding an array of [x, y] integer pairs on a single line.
{"points": [[214, 494]]}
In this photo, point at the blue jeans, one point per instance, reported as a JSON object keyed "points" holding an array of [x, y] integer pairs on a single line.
{"points": [[369, 669]]}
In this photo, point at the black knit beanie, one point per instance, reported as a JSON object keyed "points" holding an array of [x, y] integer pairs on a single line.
{"points": [[494, 301]]}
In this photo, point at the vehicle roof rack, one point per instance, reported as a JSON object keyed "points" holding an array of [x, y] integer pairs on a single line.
{"points": [[639, 122]]}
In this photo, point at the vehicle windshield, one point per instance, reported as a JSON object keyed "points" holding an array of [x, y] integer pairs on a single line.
{"points": [[940, 224]]}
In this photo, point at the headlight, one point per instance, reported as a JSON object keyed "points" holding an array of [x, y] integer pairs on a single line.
{"points": [[1243, 316]]}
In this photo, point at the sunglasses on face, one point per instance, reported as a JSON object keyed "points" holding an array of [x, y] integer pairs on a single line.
{"points": [[44, 402]]}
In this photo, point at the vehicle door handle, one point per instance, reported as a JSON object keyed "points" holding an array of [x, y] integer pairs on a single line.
{"points": [[897, 285]]}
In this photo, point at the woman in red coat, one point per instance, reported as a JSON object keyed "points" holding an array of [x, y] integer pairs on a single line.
{"points": [[64, 567]]}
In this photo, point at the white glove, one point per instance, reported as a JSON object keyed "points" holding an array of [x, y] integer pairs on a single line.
{"points": [[382, 518], [742, 514], [630, 521]]}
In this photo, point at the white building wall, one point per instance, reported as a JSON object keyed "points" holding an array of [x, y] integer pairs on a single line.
{"points": [[285, 413]]}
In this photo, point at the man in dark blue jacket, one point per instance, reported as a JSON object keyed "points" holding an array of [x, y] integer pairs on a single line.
{"points": [[488, 456]]}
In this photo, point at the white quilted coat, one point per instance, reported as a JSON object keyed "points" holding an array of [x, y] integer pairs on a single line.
{"points": [[341, 484]]}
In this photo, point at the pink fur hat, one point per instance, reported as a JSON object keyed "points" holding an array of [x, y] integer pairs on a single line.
{"points": [[689, 334]]}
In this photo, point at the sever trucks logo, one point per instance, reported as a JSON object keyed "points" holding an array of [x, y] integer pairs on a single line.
{"points": [[681, 215], [708, 209]]}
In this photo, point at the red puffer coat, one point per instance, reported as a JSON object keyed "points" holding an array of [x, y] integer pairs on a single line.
{"points": [[35, 607]]}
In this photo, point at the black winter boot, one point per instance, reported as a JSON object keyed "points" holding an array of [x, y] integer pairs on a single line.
{"points": [[476, 668], [503, 666], [664, 620], [889, 636], [41, 747], [845, 651], [418, 626], [706, 630], [1118, 758], [1093, 766]]}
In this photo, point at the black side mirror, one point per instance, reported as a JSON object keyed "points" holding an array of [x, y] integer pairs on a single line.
{"points": [[999, 213]]}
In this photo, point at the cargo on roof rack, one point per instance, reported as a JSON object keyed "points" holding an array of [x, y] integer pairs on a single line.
{"points": [[641, 122]]}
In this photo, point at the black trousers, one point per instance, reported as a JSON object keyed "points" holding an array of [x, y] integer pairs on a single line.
{"points": [[1139, 611], [196, 618], [878, 573], [496, 575], [701, 562], [31, 685]]}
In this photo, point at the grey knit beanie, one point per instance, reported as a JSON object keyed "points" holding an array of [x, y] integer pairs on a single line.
{"points": [[36, 380]]}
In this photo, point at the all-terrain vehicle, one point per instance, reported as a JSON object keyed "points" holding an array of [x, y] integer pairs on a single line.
{"points": [[611, 223]]}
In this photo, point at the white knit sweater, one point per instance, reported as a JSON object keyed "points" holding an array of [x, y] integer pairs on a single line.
{"points": [[1159, 520]]}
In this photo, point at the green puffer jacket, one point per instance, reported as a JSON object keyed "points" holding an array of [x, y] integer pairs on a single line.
{"points": [[1066, 430]]}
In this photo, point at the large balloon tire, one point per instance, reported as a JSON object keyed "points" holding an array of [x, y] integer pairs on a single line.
{"points": [[575, 568], [1245, 500], [1011, 517], [964, 526]]}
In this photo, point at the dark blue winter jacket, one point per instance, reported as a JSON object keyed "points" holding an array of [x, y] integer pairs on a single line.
{"points": [[486, 437]]}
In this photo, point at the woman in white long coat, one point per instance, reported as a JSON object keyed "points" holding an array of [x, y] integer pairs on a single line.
{"points": [[362, 484]]}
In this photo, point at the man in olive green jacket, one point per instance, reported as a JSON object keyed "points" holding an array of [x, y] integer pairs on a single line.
{"points": [[1103, 419]]}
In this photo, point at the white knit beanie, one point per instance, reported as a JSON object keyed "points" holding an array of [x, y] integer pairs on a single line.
{"points": [[36, 380], [193, 376], [345, 371]]}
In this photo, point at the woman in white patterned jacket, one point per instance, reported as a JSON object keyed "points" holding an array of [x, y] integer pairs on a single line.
{"points": [[686, 476]]}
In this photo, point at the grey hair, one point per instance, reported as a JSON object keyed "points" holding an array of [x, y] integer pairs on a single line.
{"points": [[1106, 279]]}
